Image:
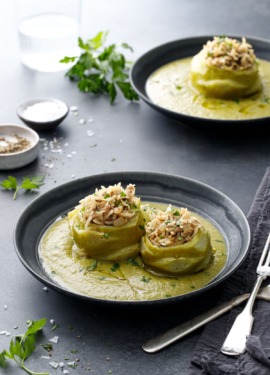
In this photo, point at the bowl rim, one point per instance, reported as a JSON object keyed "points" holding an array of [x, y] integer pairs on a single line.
{"points": [[29, 102], [187, 118], [142, 178], [34, 141]]}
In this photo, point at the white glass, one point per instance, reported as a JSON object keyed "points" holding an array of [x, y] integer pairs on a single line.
{"points": [[48, 30]]}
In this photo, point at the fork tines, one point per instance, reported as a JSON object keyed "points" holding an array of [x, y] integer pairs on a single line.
{"points": [[263, 268]]}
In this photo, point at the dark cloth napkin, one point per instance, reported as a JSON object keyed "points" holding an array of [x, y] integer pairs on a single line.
{"points": [[207, 358]]}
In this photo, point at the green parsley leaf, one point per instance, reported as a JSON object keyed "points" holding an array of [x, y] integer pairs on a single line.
{"points": [[35, 326], [127, 46], [101, 69], [3, 362], [10, 183], [22, 346], [28, 183]]}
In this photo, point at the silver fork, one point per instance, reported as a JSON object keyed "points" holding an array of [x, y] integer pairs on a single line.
{"points": [[235, 342]]}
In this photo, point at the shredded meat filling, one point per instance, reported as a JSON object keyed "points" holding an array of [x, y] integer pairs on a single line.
{"points": [[229, 54], [111, 205], [171, 227]]}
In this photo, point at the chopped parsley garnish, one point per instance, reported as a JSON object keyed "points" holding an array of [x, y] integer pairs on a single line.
{"points": [[73, 351], [72, 364], [133, 262], [145, 279], [47, 347], [93, 266], [106, 235], [265, 99], [115, 267], [55, 326]]}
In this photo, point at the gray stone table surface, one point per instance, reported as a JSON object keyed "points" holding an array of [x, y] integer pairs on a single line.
{"points": [[128, 137]]}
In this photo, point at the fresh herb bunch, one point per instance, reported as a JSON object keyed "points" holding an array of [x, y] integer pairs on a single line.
{"points": [[100, 69], [28, 183], [22, 346]]}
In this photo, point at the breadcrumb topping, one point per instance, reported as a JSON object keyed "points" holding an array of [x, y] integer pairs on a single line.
{"points": [[172, 227], [111, 205], [230, 54]]}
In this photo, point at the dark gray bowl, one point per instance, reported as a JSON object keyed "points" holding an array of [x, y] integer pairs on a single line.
{"points": [[157, 187], [178, 49]]}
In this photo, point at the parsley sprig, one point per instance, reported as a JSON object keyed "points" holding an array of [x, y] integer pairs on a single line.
{"points": [[101, 69], [22, 346], [28, 183]]}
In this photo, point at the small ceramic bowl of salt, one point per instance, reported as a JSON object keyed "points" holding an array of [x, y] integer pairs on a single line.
{"points": [[42, 114]]}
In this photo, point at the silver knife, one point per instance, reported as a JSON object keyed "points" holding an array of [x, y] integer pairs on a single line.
{"points": [[169, 337]]}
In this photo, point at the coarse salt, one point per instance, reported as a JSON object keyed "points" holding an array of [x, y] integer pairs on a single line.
{"points": [[54, 364], [54, 339], [90, 133], [44, 111]]}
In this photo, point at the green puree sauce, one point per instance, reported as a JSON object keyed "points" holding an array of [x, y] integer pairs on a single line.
{"points": [[127, 280], [169, 87]]}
